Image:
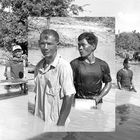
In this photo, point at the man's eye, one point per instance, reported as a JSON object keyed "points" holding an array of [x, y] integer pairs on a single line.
{"points": [[80, 45], [49, 43], [42, 43], [83, 45]]}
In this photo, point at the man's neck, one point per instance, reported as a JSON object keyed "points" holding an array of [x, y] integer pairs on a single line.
{"points": [[49, 60], [17, 58], [90, 59], [126, 68]]}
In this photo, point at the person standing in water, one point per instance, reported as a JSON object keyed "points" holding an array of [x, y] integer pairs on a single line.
{"points": [[54, 86], [89, 71], [125, 77]]}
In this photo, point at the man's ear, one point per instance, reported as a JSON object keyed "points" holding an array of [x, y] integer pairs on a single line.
{"points": [[94, 47]]}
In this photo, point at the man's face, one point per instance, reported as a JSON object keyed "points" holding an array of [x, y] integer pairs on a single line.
{"points": [[48, 45], [17, 53], [85, 49], [126, 65]]}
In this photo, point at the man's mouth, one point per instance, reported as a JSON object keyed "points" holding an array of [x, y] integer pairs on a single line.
{"points": [[81, 53], [46, 52]]}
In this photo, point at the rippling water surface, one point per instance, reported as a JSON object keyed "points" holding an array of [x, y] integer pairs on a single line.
{"points": [[127, 128]]}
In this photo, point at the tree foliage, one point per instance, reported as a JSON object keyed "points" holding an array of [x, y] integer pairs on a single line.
{"points": [[14, 23], [12, 29], [128, 41]]}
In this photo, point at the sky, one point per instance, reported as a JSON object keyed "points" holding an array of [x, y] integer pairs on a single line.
{"points": [[126, 12]]}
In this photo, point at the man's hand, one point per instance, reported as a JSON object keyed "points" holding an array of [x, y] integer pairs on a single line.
{"points": [[134, 90], [97, 99], [120, 88]]}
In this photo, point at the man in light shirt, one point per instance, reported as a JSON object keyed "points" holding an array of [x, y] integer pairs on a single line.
{"points": [[54, 86]]}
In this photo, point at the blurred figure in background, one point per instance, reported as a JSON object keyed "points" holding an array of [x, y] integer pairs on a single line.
{"points": [[15, 66], [125, 77]]}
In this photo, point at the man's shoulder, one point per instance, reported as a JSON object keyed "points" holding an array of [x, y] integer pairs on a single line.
{"points": [[130, 70], [64, 65], [120, 71], [101, 62], [38, 65], [63, 62], [76, 60]]}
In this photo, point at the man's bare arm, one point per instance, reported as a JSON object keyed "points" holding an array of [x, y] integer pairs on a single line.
{"points": [[119, 85], [104, 91], [65, 110]]}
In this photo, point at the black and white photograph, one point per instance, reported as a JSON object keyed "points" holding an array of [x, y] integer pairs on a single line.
{"points": [[93, 103], [69, 69]]}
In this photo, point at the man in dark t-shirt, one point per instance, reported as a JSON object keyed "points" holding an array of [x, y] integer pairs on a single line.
{"points": [[125, 76], [89, 71]]}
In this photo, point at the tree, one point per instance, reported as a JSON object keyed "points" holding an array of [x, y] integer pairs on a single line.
{"points": [[12, 29], [15, 24], [129, 41]]}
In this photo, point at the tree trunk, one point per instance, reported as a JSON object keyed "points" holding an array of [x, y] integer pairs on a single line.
{"points": [[48, 22]]}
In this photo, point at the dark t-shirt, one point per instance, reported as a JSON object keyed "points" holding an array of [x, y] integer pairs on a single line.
{"points": [[125, 78], [88, 78]]}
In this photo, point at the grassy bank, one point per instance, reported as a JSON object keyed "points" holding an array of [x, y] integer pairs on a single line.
{"points": [[68, 28]]}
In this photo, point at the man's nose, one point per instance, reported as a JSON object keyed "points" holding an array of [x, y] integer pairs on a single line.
{"points": [[46, 46], [80, 47]]}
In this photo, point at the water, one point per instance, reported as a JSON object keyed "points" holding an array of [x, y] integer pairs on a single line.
{"points": [[127, 114], [127, 110], [127, 128]]}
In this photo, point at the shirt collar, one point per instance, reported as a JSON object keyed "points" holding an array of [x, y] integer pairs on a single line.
{"points": [[41, 70], [56, 60], [53, 64]]}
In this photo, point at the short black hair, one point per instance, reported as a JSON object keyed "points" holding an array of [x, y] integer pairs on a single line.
{"points": [[90, 37], [126, 60], [52, 32]]}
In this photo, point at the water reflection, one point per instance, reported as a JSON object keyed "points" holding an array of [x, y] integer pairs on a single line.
{"points": [[122, 114], [128, 115], [70, 136], [31, 108]]}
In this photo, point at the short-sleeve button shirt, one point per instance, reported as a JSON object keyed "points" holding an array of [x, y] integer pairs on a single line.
{"points": [[55, 81]]}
